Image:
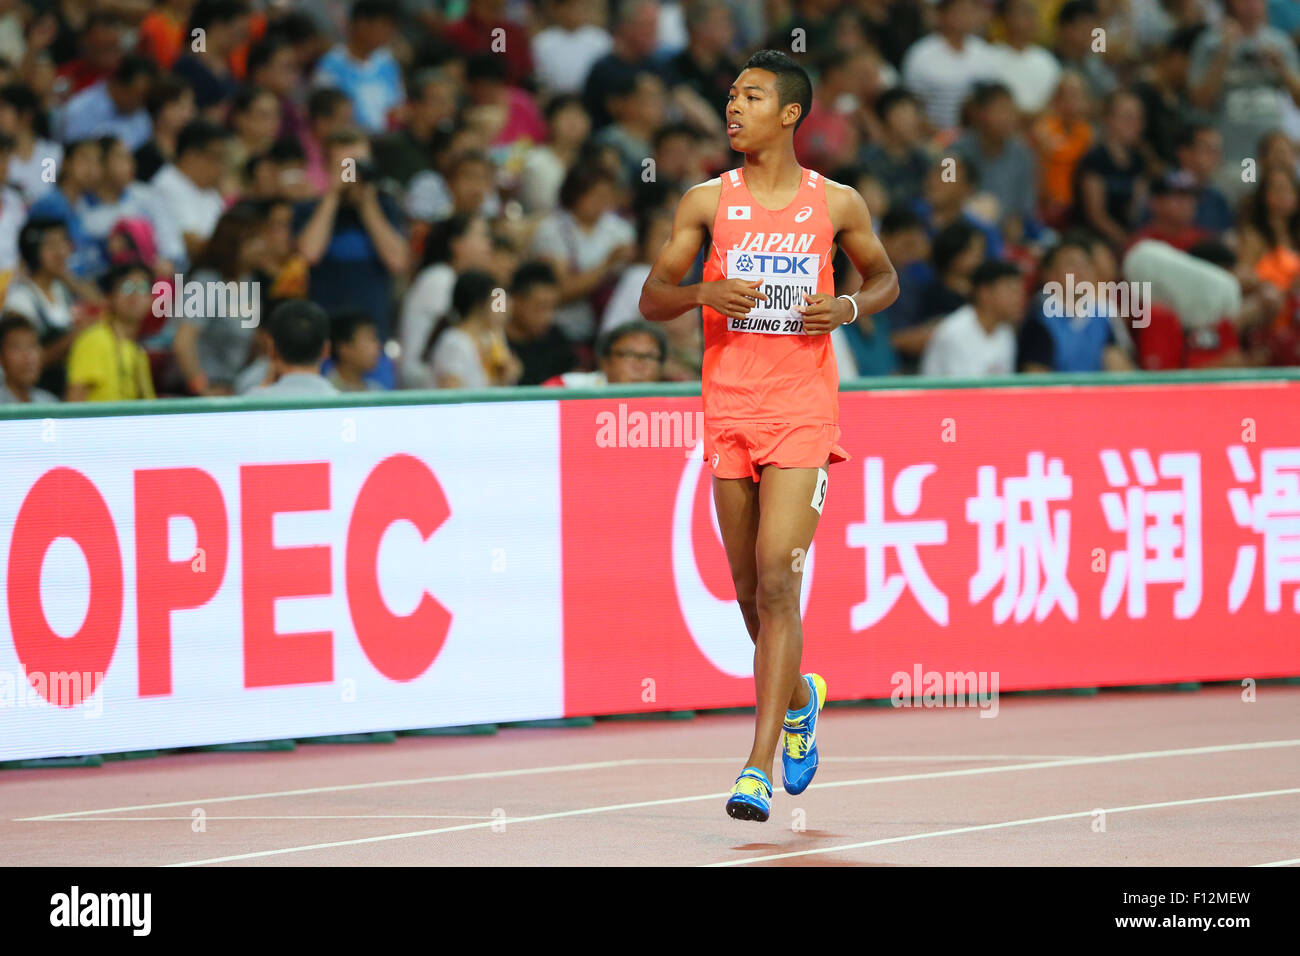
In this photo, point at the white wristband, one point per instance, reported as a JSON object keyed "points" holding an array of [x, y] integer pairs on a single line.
{"points": [[852, 302]]}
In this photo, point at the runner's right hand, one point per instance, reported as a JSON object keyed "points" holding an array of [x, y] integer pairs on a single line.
{"points": [[732, 297]]}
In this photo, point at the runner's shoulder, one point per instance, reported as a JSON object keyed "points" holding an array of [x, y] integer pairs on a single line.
{"points": [[700, 202], [844, 203]]}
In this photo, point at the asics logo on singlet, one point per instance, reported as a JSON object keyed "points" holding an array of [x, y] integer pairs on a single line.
{"points": [[774, 265], [803, 214]]}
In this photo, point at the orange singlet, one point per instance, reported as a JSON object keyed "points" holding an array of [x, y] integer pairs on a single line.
{"points": [[771, 392]]}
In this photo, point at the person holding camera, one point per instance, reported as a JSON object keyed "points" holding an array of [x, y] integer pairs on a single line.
{"points": [[353, 237]]}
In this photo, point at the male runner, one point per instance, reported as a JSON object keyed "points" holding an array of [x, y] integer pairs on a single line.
{"points": [[770, 385]]}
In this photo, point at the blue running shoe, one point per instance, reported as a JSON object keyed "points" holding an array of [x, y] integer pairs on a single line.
{"points": [[799, 756], [751, 797]]}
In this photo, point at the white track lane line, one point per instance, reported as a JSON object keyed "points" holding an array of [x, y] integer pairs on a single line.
{"points": [[336, 788], [1281, 863], [866, 781], [314, 816], [1005, 824]]}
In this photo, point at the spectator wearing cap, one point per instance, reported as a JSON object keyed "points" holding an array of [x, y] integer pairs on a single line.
{"points": [[1060, 335], [1076, 22], [629, 354], [542, 348], [978, 340], [171, 106], [1111, 177], [1000, 158], [483, 28], [106, 363], [187, 189], [1027, 69], [224, 26], [35, 159], [354, 237], [1173, 212], [364, 67], [1248, 74], [566, 48], [20, 362], [898, 158], [81, 171], [114, 106], [300, 337], [942, 66]]}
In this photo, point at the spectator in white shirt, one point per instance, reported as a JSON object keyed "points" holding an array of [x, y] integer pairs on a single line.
{"points": [[469, 347], [187, 188], [978, 340], [35, 160], [1028, 70], [942, 66], [114, 106], [564, 51]]}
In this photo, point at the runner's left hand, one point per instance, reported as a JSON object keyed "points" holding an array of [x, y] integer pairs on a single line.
{"points": [[823, 313]]}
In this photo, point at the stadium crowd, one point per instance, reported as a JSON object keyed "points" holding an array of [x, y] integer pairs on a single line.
{"points": [[470, 193]]}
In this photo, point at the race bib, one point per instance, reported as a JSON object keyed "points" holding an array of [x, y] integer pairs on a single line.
{"points": [[786, 276]]}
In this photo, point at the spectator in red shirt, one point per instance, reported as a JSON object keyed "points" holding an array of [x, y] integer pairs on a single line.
{"points": [[1173, 212], [476, 32], [101, 50], [826, 140]]}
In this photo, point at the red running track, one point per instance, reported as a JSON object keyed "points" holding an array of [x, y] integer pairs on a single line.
{"points": [[1120, 779]]}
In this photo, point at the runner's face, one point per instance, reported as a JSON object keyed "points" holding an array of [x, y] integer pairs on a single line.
{"points": [[754, 112]]}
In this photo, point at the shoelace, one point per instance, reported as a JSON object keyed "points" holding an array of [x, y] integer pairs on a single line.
{"points": [[751, 786], [796, 740]]}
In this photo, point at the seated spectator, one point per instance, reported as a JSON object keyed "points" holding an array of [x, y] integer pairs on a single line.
{"points": [[485, 29], [636, 104], [35, 159], [706, 65], [568, 127], [1076, 23], [588, 245], [353, 237], [106, 364], [468, 188], [170, 104], [1056, 336], [1029, 70], [1164, 344], [273, 65], [1270, 248], [81, 171], [48, 295], [468, 348], [827, 140], [942, 66], [1199, 153], [1062, 136], [531, 333], [114, 106], [898, 159], [300, 341], [1001, 161], [565, 50], [255, 123], [278, 264], [354, 352], [454, 246], [877, 340], [207, 70], [507, 115], [978, 340], [654, 227], [162, 31], [13, 213], [363, 66], [1166, 107], [401, 154], [1110, 184], [119, 195], [949, 196], [187, 189], [20, 362], [329, 111], [212, 345], [1173, 213], [956, 253], [631, 353], [99, 51]]}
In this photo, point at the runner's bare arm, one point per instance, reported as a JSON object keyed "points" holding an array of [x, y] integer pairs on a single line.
{"points": [[852, 221], [661, 296]]}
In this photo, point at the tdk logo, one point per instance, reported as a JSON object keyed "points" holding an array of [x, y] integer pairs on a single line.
{"points": [[774, 265]]}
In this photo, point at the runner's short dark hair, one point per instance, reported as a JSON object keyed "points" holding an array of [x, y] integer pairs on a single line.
{"points": [[792, 82]]}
